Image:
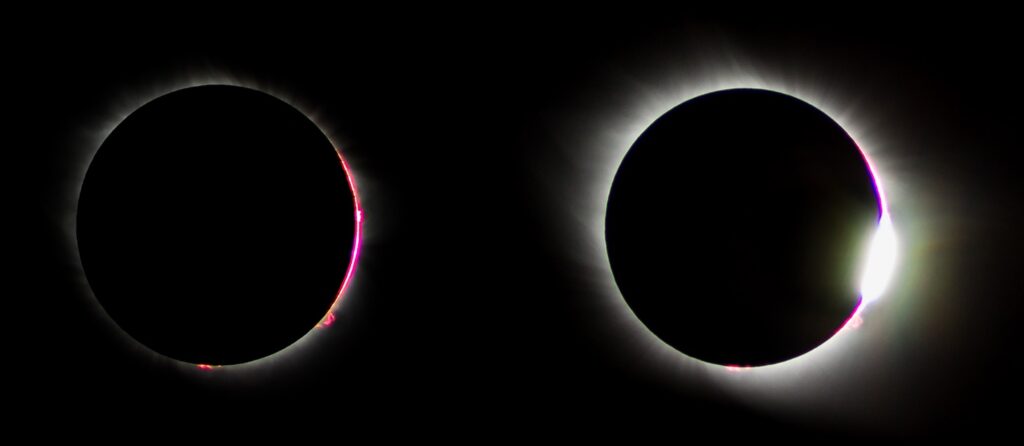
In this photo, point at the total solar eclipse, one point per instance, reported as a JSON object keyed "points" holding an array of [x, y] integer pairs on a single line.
{"points": [[217, 225], [737, 226]]}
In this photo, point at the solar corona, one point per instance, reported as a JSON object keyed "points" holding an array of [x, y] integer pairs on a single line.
{"points": [[745, 227]]}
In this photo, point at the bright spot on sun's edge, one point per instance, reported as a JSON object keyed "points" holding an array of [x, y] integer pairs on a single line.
{"points": [[881, 261], [132, 102]]}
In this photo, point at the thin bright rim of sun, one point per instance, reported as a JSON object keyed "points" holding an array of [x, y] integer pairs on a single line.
{"points": [[92, 139]]}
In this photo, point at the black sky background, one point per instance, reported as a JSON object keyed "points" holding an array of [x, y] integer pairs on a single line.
{"points": [[464, 316]]}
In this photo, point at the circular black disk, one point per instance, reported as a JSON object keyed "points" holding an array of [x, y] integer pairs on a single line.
{"points": [[215, 224], [737, 226]]}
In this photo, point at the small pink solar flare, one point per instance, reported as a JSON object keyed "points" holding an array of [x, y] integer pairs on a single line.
{"points": [[855, 322], [327, 321]]}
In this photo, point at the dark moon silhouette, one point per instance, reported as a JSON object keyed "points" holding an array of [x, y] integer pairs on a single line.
{"points": [[737, 226], [216, 224]]}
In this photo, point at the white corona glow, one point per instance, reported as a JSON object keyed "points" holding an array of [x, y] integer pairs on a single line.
{"points": [[820, 383]]}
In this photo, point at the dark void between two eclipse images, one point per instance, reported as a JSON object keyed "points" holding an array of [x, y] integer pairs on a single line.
{"points": [[738, 224], [216, 225]]}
